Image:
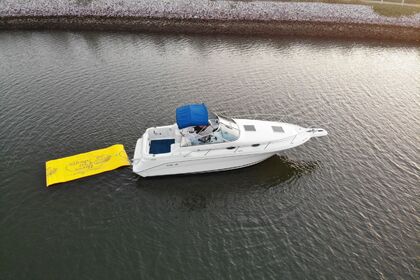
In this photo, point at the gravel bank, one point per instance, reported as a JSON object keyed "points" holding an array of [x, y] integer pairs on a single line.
{"points": [[314, 19]]}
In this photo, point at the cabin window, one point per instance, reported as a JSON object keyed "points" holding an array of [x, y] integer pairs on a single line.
{"points": [[249, 128], [278, 129], [255, 145]]}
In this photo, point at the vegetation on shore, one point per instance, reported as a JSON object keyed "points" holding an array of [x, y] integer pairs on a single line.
{"points": [[395, 10], [391, 8]]}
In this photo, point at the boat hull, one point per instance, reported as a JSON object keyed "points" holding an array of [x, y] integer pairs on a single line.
{"points": [[258, 140], [199, 165]]}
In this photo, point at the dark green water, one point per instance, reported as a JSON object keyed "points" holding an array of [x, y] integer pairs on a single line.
{"points": [[339, 207]]}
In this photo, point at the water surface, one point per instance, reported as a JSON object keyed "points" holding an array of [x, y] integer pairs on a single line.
{"points": [[340, 206]]}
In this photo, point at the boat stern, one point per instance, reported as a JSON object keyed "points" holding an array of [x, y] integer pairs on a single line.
{"points": [[138, 155]]}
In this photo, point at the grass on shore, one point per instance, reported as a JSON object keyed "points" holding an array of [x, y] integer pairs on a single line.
{"points": [[389, 10], [394, 10]]}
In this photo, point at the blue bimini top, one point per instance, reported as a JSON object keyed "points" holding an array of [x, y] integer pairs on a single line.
{"points": [[192, 115]]}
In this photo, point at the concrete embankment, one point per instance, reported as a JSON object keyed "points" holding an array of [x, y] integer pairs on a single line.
{"points": [[204, 16]]}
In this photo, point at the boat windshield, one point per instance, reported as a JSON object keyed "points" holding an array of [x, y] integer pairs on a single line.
{"points": [[228, 129], [220, 129]]}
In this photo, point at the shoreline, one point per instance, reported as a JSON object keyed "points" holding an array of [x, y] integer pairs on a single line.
{"points": [[253, 18], [215, 26]]}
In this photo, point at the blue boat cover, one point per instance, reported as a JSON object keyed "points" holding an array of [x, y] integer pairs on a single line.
{"points": [[192, 115]]}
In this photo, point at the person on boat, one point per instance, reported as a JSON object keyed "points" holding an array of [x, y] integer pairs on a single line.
{"points": [[191, 135], [203, 132]]}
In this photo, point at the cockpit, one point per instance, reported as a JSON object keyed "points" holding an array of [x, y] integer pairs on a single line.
{"points": [[198, 126]]}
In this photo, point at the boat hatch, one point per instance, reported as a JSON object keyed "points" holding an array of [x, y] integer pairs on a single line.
{"points": [[161, 146], [278, 129], [249, 128]]}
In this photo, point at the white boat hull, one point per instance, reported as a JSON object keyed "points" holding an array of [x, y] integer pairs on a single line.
{"points": [[199, 165], [252, 147]]}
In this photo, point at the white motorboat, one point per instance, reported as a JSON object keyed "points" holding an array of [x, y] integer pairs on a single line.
{"points": [[201, 141]]}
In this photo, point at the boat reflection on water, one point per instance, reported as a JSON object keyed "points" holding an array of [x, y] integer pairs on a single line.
{"points": [[199, 191], [281, 169]]}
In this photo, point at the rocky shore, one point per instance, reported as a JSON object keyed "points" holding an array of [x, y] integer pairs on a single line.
{"points": [[208, 16]]}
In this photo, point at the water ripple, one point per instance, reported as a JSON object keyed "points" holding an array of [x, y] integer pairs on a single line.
{"points": [[341, 206]]}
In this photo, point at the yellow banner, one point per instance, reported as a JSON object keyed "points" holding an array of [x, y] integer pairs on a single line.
{"points": [[86, 164]]}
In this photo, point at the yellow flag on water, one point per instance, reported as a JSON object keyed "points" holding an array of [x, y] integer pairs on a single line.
{"points": [[86, 164]]}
